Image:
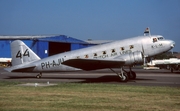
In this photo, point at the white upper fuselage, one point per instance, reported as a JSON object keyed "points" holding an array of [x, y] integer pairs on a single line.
{"points": [[148, 45]]}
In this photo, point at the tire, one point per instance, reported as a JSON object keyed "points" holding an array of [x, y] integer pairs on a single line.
{"points": [[125, 78], [132, 75]]}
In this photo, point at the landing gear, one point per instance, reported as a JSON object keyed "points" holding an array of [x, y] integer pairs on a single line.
{"points": [[123, 75], [39, 75], [131, 74]]}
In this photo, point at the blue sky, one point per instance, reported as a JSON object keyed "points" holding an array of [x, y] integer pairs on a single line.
{"points": [[91, 19]]}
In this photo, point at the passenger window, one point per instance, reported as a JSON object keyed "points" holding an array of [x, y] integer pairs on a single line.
{"points": [[104, 52], [113, 50], [122, 48], [131, 46], [86, 56]]}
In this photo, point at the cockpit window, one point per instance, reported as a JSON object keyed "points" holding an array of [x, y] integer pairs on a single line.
{"points": [[154, 39], [160, 38]]}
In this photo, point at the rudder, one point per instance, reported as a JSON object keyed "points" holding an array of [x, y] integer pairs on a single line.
{"points": [[21, 53]]}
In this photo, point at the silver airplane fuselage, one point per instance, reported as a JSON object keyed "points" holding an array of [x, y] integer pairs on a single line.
{"points": [[148, 45]]}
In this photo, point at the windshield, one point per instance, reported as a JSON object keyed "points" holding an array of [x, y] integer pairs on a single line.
{"points": [[160, 38]]}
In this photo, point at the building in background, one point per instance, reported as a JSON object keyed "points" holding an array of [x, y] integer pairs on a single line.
{"points": [[43, 46]]}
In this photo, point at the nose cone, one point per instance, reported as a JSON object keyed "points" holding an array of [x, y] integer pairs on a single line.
{"points": [[169, 44], [172, 44]]}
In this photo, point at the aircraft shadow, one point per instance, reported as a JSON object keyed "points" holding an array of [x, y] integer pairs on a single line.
{"points": [[176, 72], [109, 79], [102, 79], [20, 77]]}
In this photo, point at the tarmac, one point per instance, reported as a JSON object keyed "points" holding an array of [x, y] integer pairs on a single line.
{"points": [[144, 77]]}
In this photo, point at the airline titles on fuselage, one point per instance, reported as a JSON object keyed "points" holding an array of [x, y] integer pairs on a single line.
{"points": [[157, 45], [57, 62]]}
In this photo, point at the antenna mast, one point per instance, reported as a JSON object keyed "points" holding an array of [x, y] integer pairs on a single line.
{"points": [[147, 32]]}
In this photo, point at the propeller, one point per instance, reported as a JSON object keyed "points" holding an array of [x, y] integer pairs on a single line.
{"points": [[144, 57]]}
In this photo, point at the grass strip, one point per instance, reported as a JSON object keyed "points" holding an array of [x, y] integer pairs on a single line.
{"points": [[88, 97]]}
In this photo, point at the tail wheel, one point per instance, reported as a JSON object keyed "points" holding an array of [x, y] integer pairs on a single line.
{"points": [[39, 75]]}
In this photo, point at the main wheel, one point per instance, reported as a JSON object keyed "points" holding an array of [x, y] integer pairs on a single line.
{"points": [[124, 78], [132, 75]]}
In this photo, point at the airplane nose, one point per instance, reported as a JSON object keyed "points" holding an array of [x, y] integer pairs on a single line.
{"points": [[172, 44]]}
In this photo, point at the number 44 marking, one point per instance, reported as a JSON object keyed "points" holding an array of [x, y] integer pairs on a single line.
{"points": [[20, 55]]}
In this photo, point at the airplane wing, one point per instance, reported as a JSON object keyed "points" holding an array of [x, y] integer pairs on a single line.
{"points": [[93, 64]]}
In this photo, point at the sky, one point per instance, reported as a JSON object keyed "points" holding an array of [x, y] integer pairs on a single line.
{"points": [[91, 19]]}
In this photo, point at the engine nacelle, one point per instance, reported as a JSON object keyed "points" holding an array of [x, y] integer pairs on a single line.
{"points": [[132, 58]]}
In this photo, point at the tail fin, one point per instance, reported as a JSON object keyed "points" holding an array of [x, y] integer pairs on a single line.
{"points": [[21, 53]]}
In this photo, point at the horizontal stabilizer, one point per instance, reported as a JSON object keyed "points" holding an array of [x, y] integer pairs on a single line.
{"points": [[93, 64], [21, 68]]}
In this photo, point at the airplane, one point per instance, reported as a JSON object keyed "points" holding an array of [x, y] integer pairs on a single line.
{"points": [[116, 54], [171, 64]]}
